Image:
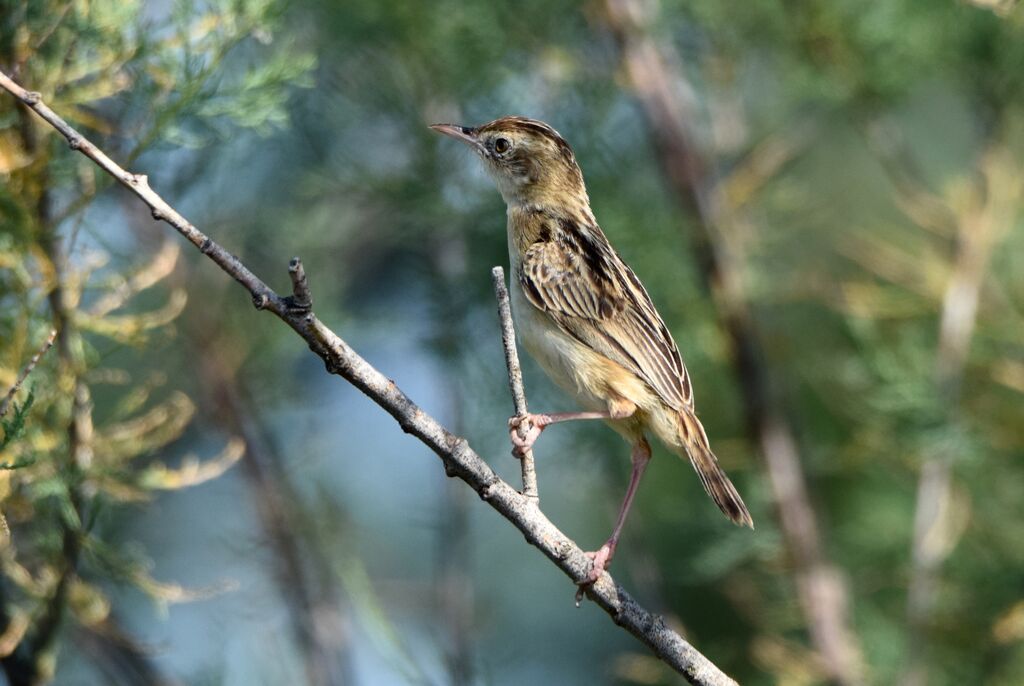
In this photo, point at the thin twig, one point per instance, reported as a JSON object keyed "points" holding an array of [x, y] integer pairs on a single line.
{"points": [[263, 296], [26, 371], [300, 299], [459, 459], [515, 377]]}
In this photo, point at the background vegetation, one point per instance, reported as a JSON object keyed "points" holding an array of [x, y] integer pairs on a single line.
{"points": [[865, 162]]}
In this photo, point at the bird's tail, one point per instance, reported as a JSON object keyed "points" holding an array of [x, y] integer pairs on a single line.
{"points": [[714, 480]]}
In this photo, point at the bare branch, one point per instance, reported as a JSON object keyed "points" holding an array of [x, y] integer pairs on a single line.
{"points": [[515, 377], [455, 453], [26, 371], [262, 295]]}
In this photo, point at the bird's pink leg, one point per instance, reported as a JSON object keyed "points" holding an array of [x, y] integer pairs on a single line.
{"points": [[536, 423], [523, 440], [603, 556]]}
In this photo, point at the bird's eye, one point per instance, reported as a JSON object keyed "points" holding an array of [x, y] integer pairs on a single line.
{"points": [[501, 145]]}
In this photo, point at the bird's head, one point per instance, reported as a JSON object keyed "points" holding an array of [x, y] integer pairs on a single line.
{"points": [[528, 160]]}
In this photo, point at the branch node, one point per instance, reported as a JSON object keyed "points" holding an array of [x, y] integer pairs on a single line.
{"points": [[139, 179], [301, 300], [157, 214], [75, 142], [260, 301], [617, 618], [408, 422], [206, 247], [31, 98]]}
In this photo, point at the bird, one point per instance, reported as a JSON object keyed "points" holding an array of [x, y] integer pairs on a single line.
{"points": [[585, 317]]}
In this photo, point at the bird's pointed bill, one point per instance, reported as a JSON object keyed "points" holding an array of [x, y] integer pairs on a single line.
{"points": [[463, 133]]}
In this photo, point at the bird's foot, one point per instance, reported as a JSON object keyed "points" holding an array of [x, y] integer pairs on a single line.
{"points": [[524, 430], [601, 559]]}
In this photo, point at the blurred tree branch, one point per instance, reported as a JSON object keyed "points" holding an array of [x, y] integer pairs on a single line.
{"points": [[459, 459], [972, 219], [1001, 8], [912, 195], [305, 588], [122, 659], [5, 402], [655, 80], [311, 603], [979, 223], [453, 589], [32, 660], [98, 60]]}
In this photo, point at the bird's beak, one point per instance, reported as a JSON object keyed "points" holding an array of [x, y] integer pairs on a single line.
{"points": [[463, 133]]}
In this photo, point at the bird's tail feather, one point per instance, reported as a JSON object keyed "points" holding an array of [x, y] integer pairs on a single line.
{"points": [[714, 480]]}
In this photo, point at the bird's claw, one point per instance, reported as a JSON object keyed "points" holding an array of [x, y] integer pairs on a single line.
{"points": [[601, 559], [524, 438]]}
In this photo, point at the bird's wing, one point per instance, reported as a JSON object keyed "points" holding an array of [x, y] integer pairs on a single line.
{"points": [[593, 296]]}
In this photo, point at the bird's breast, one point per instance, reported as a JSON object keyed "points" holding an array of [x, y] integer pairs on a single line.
{"points": [[560, 356], [574, 367]]}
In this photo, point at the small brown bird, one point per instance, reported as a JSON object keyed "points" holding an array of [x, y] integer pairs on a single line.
{"points": [[584, 315]]}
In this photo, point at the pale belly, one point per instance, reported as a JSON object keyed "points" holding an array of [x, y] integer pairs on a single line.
{"points": [[561, 357], [596, 382]]}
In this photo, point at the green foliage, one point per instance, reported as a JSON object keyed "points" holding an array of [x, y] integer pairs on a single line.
{"points": [[858, 145], [14, 427], [97, 429], [846, 283]]}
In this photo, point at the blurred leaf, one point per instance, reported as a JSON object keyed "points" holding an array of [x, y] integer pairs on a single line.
{"points": [[192, 471]]}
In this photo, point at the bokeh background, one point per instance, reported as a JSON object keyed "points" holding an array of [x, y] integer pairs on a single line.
{"points": [[824, 199]]}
